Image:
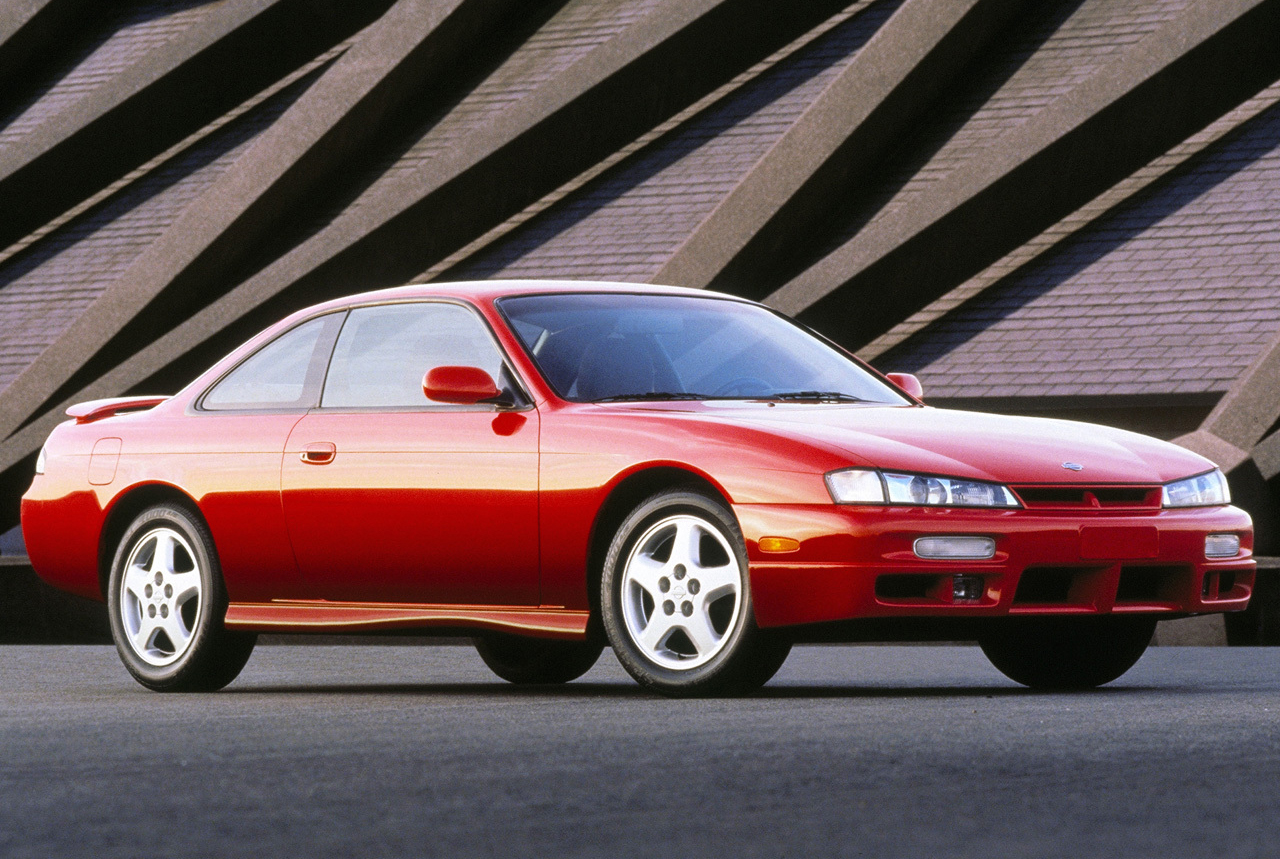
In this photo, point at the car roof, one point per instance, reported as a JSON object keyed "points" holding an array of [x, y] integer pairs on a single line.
{"points": [[490, 290]]}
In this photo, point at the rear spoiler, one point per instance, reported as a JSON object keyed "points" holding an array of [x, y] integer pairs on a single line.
{"points": [[96, 410]]}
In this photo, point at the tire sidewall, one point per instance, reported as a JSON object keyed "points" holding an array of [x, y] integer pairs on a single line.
{"points": [[523, 660], [212, 598], [1062, 653], [717, 672]]}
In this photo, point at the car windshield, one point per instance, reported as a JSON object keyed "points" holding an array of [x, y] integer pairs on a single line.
{"points": [[594, 347]]}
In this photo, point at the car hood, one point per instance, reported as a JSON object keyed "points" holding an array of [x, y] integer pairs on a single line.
{"points": [[970, 444]]}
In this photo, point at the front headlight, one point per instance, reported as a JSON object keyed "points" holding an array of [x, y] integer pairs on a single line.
{"points": [[40, 462], [869, 486], [1203, 490]]}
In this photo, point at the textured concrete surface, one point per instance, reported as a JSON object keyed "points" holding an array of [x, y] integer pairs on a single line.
{"points": [[1138, 282], [1045, 52], [851, 751], [841, 140], [1207, 630], [164, 69], [1054, 162], [214, 211], [662, 194], [31, 27], [52, 285]]}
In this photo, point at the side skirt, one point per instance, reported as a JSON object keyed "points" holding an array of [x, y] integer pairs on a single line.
{"points": [[326, 616]]}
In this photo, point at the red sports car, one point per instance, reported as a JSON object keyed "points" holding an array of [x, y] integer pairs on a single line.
{"points": [[690, 478]]}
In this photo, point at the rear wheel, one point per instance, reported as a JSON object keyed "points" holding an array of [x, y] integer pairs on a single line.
{"points": [[1067, 652], [676, 600], [166, 602], [522, 660]]}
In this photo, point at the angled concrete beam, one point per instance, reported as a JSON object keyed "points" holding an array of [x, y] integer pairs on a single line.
{"points": [[29, 27], [837, 139], [1221, 451], [416, 40], [1162, 89], [1087, 216], [1244, 415], [215, 64], [1267, 456], [668, 59]]}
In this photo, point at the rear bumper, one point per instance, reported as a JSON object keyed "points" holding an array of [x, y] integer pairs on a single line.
{"points": [[858, 563]]}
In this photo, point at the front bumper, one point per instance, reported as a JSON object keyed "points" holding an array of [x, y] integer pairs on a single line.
{"points": [[857, 562]]}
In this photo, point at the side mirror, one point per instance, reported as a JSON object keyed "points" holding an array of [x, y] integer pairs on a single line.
{"points": [[459, 385], [908, 383]]}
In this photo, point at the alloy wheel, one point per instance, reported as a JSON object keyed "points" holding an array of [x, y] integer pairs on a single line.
{"points": [[681, 592], [160, 596]]}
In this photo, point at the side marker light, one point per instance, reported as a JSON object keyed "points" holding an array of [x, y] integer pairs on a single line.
{"points": [[778, 544]]}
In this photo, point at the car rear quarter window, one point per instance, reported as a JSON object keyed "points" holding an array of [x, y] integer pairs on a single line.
{"points": [[284, 374], [384, 352]]}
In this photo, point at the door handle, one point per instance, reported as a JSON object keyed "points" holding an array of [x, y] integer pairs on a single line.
{"points": [[319, 453]]}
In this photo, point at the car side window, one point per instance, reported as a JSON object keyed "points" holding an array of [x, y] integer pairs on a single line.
{"points": [[284, 374], [384, 352]]}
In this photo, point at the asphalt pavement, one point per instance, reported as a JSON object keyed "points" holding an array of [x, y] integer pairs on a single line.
{"points": [[378, 751]]}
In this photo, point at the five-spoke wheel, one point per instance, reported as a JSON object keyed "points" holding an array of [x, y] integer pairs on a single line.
{"points": [[676, 600], [166, 602], [681, 591], [160, 596]]}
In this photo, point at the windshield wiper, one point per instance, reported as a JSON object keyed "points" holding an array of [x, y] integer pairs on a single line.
{"points": [[650, 395], [815, 397]]}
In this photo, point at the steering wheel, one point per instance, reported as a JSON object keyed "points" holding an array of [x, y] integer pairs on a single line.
{"points": [[745, 386]]}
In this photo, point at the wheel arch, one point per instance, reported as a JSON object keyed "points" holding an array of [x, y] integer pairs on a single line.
{"points": [[625, 495], [125, 508]]}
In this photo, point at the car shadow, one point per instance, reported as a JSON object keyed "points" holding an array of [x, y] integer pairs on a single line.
{"points": [[469, 690], [622, 690], [874, 692]]}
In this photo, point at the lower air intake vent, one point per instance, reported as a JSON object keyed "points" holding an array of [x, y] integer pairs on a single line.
{"points": [[906, 587], [1148, 584], [1045, 586]]}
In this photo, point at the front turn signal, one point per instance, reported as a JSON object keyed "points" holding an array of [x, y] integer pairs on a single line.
{"points": [[775, 545]]}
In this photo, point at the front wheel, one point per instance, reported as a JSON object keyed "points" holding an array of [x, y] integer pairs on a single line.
{"points": [[1067, 652], [166, 602], [676, 600]]}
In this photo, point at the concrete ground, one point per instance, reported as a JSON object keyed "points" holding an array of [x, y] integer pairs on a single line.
{"points": [[851, 751]]}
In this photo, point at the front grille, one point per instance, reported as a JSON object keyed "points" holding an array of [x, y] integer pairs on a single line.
{"points": [[1089, 497]]}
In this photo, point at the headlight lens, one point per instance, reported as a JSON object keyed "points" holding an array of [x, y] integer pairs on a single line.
{"points": [[1203, 490], [869, 486], [40, 462], [855, 486]]}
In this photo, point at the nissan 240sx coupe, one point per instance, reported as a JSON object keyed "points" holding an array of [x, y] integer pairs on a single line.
{"points": [[688, 477]]}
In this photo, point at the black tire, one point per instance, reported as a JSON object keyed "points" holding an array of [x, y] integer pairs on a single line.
{"points": [[526, 661], [1065, 653], [201, 656], [769, 651], [739, 657]]}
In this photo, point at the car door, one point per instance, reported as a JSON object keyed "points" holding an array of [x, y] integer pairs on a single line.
{"points": [[392, 498], [230, 458]]}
